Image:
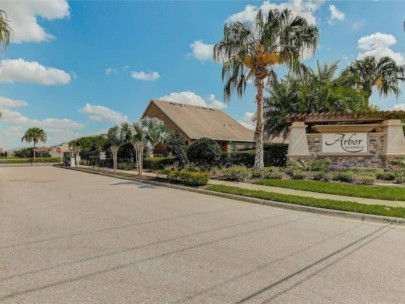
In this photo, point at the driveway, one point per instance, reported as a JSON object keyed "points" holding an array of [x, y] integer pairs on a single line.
{"points": [[73, 237]]}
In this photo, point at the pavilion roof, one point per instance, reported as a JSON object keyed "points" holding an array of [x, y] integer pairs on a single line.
{"points": [[326, 117]]}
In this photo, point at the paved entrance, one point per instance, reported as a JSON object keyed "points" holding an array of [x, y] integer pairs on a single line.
{"points": [[73, 237]]}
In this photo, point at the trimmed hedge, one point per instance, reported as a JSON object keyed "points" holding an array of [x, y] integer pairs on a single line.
{"points": [[189, 178], [274, 155], [157, 163], [30, 160]]}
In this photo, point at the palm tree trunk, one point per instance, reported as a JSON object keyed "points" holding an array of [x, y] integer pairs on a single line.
{"points": [[259, 161], [34, 151]]}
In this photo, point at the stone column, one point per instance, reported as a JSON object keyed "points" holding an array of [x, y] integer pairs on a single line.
{"points": [[394, 139], [298, 146]]}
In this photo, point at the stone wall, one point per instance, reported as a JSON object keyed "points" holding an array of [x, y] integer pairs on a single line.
{"points": [[374, 159]]}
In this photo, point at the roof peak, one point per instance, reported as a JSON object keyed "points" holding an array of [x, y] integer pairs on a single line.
{"points": [[174, 103]]}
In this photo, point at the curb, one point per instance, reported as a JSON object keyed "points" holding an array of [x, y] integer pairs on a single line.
{"points": [[330, 212]]}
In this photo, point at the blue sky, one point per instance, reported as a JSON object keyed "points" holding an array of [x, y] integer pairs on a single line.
{"points": [[78, 67]]}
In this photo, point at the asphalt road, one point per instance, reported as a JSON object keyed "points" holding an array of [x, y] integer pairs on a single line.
{"points": [[72, 237]]}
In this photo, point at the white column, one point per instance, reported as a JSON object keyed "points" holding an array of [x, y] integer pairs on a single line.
{"points": [[298, 140], [394, 140]]}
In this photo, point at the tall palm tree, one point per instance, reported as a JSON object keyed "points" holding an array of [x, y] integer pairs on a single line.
{"points": [[34, 135], [310, 91], [115, 140], [368, 73], [251, 51], [156, 132], [5, 30]]}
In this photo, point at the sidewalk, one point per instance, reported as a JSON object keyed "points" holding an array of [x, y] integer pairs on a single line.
{"points": [[360, 200]]}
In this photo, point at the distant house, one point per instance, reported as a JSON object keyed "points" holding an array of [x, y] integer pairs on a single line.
{"points": [[195, 122]]}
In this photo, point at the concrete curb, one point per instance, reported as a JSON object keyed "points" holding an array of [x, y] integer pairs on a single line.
{"points": [[323, 211]]}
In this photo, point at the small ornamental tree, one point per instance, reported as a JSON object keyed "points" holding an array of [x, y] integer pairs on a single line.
{"points": [[177, 145], [204, 152]]}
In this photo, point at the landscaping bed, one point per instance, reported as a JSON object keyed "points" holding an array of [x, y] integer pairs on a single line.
{"points": [[312, 202], [375, 192]]}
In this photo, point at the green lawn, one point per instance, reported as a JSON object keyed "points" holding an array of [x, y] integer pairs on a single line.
{"points": [[313, 202], [29, 160], [377, 192]]}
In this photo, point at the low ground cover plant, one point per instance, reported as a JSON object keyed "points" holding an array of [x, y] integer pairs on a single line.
{"points": [[313, 202], [189, 178], [375, 192]]}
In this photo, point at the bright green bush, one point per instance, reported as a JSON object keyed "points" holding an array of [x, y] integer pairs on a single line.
{"points": [[298, 174], [239, 158], [237, 173], [189, 178], [310, 164]]}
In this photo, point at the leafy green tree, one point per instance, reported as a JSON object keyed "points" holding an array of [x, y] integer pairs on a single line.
{"points": [[34, 135], [178, 147], [251, 51], [368, 73], [204, 152], [308, 91]]}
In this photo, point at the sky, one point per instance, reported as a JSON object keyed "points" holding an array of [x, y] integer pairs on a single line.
{"points": [[76, 68]]}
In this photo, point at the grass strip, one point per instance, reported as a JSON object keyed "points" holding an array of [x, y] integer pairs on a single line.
{"points": [[312, 202], [376, 192]]}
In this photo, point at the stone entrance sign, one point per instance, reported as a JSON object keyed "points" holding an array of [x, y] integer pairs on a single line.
{"points": [[345, 143], [349, 139]]}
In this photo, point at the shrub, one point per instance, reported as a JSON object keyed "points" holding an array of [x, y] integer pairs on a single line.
{"points": [[364, 179], [238, 173], [400, 177], [344, 176], [297, 174], [386, 175], [189, 178], [268, 172], [240, 158], [204, 152], [310, 164], [178, 147], [324, 176], [157, 163], [125, 166], [275, 154]]}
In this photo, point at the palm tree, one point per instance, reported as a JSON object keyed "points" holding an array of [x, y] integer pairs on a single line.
{"points": [[156, 132], [34, 135], [5, 30], [308, 91], [139, 140], [114, 139], [368, 73], [251, 51]]}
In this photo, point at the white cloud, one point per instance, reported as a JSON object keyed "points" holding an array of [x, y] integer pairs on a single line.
{"points": [[58, 130], [11, 103], [335, 14], [190, 98], [378, 45], [145, 76], [109, 71], [19, 70], [201, 50], [103, 114], [248, 120], [215, 103], [23, 17], [397, 107], [301, 8], [357, 25], [17, 119]]}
